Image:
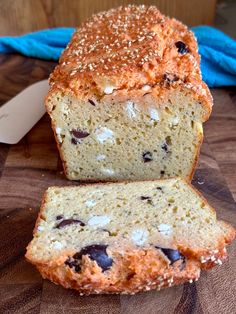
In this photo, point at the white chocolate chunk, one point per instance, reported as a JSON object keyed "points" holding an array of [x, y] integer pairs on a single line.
{"points": [[131, 110], [165, 229], [57, 245], [100, 157], [103, 134], [107, 171], [174, 121], [58, 130], [139, 236], [90, 203], [108, 89], [154, 114], [40, 228], [146, 88], [99, 221]]}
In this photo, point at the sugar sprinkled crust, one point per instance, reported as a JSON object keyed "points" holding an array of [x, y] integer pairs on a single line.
{"points": [[136, 237], [129, 48]]}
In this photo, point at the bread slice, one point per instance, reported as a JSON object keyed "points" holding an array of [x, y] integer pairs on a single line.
{"points": [[127, 101], [126, 237]]}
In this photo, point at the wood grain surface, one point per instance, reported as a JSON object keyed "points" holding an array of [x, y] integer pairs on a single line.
{"points": [[28, 168], [21, 16]]}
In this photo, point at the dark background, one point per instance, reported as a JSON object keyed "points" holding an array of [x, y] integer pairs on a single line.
{"points": [[20, 16]]}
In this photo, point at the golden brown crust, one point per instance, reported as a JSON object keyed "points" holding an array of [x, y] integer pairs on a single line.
{"points": [[132, 272], [127, 48]]}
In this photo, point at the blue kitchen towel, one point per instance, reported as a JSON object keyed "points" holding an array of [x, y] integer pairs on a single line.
{"points": [[46, 44], [218, 56], [218, 51]]}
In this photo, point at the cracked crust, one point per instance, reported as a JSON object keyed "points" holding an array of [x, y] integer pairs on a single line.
{"points": [[134, 271], [127, 48]]}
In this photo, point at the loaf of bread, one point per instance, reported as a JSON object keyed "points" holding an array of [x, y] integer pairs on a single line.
{"points": [[127, 101], [126, 237]]}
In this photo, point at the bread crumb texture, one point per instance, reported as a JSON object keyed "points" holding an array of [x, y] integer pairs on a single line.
{"points": [[127, 237]]}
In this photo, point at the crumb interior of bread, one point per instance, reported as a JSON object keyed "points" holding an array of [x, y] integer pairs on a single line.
{"points": [[164, 213], [136, 138]]}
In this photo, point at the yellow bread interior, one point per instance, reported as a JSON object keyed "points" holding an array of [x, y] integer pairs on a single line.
{"points": [[127, 136], [165, 213]]}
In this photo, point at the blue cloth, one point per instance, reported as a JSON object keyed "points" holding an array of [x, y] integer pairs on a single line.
{"points": [[218, 51], [46, 44], [218, 56]]}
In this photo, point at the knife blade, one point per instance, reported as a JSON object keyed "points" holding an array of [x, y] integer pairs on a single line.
{"points": [[22, 112]]}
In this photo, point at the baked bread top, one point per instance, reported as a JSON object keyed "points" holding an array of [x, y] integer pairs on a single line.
{"points": [[131, 48]]}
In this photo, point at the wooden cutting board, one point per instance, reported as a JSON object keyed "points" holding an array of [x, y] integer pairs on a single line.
{"points": [[28, 168]]}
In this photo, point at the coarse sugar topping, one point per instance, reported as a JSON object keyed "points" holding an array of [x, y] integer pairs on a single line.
{"points": [[129, 48]]}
